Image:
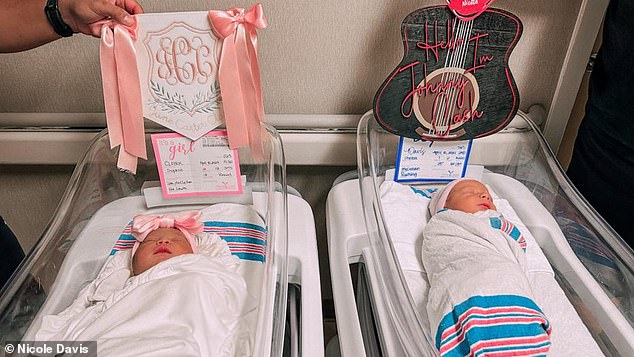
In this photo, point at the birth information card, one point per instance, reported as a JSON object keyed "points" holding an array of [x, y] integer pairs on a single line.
{"points": [[206, 166], [431, 161]]}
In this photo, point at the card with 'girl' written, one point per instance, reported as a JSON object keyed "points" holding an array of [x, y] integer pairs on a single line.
{"points": [[206, 166]]}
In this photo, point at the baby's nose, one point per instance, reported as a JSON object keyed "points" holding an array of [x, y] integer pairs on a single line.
{"points": [[163, 241]]}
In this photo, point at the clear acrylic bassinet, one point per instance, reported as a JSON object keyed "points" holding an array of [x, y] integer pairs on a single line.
{"points": [[520, 156], [96, 186]]}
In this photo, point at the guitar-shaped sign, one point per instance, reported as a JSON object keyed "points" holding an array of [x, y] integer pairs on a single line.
{"points": [[454, 82]]}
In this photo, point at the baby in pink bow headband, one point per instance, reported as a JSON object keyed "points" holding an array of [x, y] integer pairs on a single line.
{"points": [[159, 238]]}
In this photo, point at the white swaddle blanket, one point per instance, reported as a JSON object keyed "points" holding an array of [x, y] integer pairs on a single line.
{"points": [[406, 216], [480, 299], [185, 306]]}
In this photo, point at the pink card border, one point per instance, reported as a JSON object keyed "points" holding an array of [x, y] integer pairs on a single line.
{"points": [[159, 164]]}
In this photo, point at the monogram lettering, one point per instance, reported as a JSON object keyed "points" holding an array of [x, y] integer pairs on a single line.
{"points": [[182, 60]]}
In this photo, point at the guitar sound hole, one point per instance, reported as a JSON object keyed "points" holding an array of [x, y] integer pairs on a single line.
{"points": [[446, 99]]}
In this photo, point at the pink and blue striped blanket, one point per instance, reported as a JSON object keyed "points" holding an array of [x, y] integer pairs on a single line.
{"points": [[480, 301]]}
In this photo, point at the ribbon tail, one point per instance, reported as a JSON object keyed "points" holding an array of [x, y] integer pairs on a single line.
{"points": [[232, 98], [256, 142], [110, 87], [239, 76], [252, 48], [130, 94], [133, 145], [126, 161], [255, 124]]}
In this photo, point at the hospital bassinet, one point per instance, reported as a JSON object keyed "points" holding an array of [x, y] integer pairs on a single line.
{"points": [[376, 300], [100, 200]]}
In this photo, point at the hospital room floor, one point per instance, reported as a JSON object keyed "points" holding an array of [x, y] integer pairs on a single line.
{"points": [[314, 183], [330, 324]]}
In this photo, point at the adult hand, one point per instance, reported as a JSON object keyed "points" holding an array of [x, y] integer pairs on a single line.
{"points": [[81, 14]]}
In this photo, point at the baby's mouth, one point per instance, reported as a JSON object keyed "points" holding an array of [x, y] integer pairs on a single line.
{"points": [[485, 205], [162, 250]]}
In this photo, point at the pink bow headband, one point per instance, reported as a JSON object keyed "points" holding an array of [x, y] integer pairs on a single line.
{"points": [[187, 223]]}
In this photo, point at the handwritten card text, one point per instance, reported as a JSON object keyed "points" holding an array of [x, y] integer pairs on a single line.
{"points": [[194, 168]]}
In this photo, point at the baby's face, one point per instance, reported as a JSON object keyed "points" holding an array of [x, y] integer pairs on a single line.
{"points": [[470, 196], [158, 246]]}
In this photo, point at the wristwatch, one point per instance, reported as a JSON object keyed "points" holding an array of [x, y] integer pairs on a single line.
{"points": [[55, 18]]}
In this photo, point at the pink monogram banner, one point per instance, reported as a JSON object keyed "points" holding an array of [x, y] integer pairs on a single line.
{"points": [[189, 72], [178, 57]]}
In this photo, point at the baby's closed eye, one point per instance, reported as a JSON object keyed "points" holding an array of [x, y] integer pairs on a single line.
{"points": [[172, 239]]}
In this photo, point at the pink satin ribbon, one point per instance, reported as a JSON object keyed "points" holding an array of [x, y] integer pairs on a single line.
{"points": [[122, 93], [239, 74], [187, 223]]}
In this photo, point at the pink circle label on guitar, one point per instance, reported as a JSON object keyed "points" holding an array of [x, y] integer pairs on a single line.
{"points": [[468, 9]]}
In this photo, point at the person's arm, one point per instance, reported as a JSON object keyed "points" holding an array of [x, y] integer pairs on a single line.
{"points": [[23, 23]]}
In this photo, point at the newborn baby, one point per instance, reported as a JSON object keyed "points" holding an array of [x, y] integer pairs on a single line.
{"points": [[176, 293], [464, 195], [158, 246], [159, 238], [480, 300]]}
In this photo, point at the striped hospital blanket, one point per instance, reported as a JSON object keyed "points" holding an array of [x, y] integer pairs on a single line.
{"points": [[500, 325], [480, 302], [509, 228], [247, 241]]}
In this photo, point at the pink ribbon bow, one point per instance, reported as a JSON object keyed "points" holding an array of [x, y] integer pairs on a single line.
{"points": [[239, 74], [187, 223], [122, 92]]}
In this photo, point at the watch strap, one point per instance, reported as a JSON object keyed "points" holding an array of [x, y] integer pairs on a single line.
{"points": [[55, 19]]}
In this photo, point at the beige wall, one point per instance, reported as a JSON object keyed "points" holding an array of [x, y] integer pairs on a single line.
{"points": [[317, 56]]}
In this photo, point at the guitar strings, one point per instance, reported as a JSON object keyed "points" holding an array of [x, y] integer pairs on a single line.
{"points": [[462, 56], [440, 119], [457, 62], [455, 58], [439, 112]]}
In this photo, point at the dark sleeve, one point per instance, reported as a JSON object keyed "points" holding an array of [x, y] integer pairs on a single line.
{"points": [[11, 253], [602, 165]]}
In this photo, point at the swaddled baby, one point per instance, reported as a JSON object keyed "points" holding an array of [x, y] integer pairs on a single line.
{"points": [[158, 238], [177, 293], [480, 301]]}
